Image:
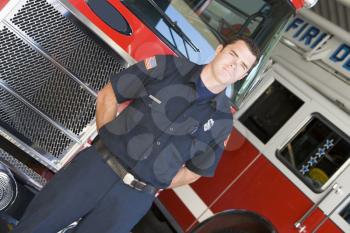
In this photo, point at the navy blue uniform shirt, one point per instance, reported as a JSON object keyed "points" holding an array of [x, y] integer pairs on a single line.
{"points": [[202, 91], [165, 127]]}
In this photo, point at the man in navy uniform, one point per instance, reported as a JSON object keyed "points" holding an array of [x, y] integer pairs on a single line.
{"points": [[171, 134]]}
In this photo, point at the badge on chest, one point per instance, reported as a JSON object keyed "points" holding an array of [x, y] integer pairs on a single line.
{"points": [[208, 125]]}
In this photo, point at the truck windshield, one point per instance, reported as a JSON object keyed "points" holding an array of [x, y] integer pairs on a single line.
{"points": [[204, 24]]}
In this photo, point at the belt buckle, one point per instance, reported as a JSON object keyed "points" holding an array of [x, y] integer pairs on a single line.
{"points": [[134, 183], [128, 179]]}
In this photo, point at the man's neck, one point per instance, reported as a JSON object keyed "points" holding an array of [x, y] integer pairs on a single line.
{"points": [[209, 80]]}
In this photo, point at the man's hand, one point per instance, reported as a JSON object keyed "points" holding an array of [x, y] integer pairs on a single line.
{"points": [[183, 176], [106, 106]]}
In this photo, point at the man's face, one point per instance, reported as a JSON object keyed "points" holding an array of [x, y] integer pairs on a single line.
{"points": [[232, 62]]}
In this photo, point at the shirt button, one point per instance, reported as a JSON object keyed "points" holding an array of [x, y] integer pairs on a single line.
{"points": [[158, 143], [171, 129]]}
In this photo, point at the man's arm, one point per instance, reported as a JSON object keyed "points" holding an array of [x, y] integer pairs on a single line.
{"points": [[106, 106], [183, 176]]}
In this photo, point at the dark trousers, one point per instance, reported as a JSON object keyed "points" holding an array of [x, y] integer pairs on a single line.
{"points": [[87, 189]]}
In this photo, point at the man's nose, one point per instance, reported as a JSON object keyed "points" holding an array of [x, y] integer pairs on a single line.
{"points": [[234, 62]]}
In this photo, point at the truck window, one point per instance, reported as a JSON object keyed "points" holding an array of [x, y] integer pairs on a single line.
{"points": [[206, 23], [316, 153], [270, 111], [345, 213]]}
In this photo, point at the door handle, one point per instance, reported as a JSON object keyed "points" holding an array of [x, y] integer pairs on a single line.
{"points": [[300, 223]]}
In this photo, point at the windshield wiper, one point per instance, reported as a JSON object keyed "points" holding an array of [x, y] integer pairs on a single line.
{"points": [[173, 25]]}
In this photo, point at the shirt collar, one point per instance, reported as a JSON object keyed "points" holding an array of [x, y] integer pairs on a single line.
{"points": [[220, 101], [195, 73]]}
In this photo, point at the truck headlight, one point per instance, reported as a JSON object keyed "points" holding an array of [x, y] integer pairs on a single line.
{"points": [[8, 187]]}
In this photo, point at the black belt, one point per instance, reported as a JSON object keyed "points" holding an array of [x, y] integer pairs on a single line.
{"points": [[118, 168]]}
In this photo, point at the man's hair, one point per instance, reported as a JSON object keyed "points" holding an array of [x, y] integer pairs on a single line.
{"points": [[253, 47]]}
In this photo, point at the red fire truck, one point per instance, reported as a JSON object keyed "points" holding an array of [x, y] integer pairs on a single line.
{"points": [[286, 160]]}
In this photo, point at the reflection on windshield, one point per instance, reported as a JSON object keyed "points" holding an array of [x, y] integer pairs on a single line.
{"points": [[206, 49], [207, 23], [226, 18], [173, 25]]}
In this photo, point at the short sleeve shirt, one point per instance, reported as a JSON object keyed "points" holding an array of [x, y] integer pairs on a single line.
{"points": [[166, 127]]}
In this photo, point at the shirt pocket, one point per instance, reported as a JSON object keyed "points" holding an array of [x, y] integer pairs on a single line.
{"points": [[157, 111]]}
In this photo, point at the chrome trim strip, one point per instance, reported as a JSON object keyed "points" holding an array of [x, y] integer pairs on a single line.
{"points": [[300, 223], [329, 215], [46, 55], [112, 44], [57, 125], [51, 164], [89, 133]]}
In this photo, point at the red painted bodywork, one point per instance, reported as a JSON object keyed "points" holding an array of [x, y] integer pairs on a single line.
{"points": [[3, 3], [298, 4], [328, 227], [177, 209], [238, 155], [265, 190], [141, 44], [245, 179]]}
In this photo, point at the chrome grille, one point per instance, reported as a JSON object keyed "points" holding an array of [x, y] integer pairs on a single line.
{"points": [[14, 163], [42, 81], [65, 42], [42, 22], [21, 68], [35, 131]]}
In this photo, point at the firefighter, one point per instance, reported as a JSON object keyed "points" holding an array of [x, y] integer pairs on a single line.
{"points": [[172, 132]]}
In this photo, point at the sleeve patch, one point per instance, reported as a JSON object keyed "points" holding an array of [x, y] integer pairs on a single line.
{"points": [[150, 63]]}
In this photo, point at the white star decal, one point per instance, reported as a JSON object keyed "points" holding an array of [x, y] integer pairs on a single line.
{"points": [[329, 144], [304, 169], [321, 152], [312, 161]]}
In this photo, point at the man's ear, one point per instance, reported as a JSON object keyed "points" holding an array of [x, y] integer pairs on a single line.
{"points": [[218, 49]]}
